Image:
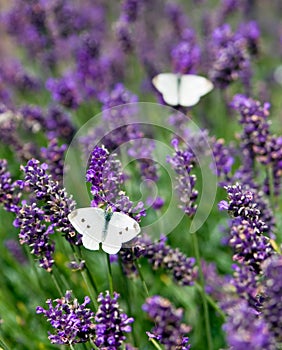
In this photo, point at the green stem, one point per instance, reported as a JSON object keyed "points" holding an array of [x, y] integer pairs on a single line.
{"points": [[211, 302], [3, 345], [156, 345], [94, 345], [56, 283], [202, 292], [71, 347], [110, 276], [138, 267], [128, 299], [271, 187], [87, 278]]}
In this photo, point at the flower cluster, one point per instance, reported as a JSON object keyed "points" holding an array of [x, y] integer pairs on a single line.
{"points": [[10, 192], [111, 323], [72, 322], [247, 231], [161, 256], [169, 329], [35, 234], [230, 58], [257, 141], [245, 329], [105, 176], [272, 307], [55, 202], [182, 163]]}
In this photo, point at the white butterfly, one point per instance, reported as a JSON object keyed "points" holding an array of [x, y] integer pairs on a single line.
{"points": [[99, 226], [184, 90]]}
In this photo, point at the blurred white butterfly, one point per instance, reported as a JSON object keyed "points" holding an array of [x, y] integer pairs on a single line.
{"points": [[99, 226], [184, 90]]}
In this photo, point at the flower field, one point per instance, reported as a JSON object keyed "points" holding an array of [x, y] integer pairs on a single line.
{"points": [[140, 174]]}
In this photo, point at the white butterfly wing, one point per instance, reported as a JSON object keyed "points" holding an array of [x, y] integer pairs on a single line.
{"points": [[121, 229], [192, 88], [167, 85], [90, 223]]}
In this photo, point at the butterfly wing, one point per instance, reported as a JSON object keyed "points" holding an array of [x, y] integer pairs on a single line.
{"points": [[90, 223], [167, 85], [121, 229], [192, 88]]}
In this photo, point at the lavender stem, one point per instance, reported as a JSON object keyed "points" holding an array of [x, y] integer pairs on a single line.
{"points": [[202, 291]]}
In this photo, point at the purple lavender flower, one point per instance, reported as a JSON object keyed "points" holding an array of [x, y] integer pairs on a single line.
{"points": [[246, 329], [249, 244], [185, 57], [33, 118], [16, 250], [10, 192], [245, 281], [130, 9], [272, 307], [257, 142], [223, 160], [250, 31], [161, 256], [142, 150], [169, 329], [182, 163], [111, 323], [53, 155], [72, 322], [105, 176], [56, 202], [64, 91], [230, 60], [59, 124], [9, 122], [155, 203], [35, 234]]}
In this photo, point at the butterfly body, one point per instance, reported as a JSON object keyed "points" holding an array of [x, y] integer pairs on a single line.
{"points": [[182, 90], [96, 226]]}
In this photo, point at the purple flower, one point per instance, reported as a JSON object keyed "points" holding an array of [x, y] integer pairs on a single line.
{"points": [[105, 176], [185, 57], [250, 31], [54, 200], [35, 234], [272, 307], [53, 155], [155, 203], [111, 323], [9, 123], [223, 160], [246, 329], [160, 256], [16, 251], [229, 57], [10, 192], [169, 329], [130, 9], [249, 244], [72, 322], [182, 163], [257, 141], [59, 124], [64, 91]]}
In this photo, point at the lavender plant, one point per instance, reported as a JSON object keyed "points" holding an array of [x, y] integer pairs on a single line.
{"points": [[63, 62]]}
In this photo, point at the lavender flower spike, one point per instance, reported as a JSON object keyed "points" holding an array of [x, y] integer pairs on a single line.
{"points": [[168, 329], [72, 322], [111, 323], [182, 162]]}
